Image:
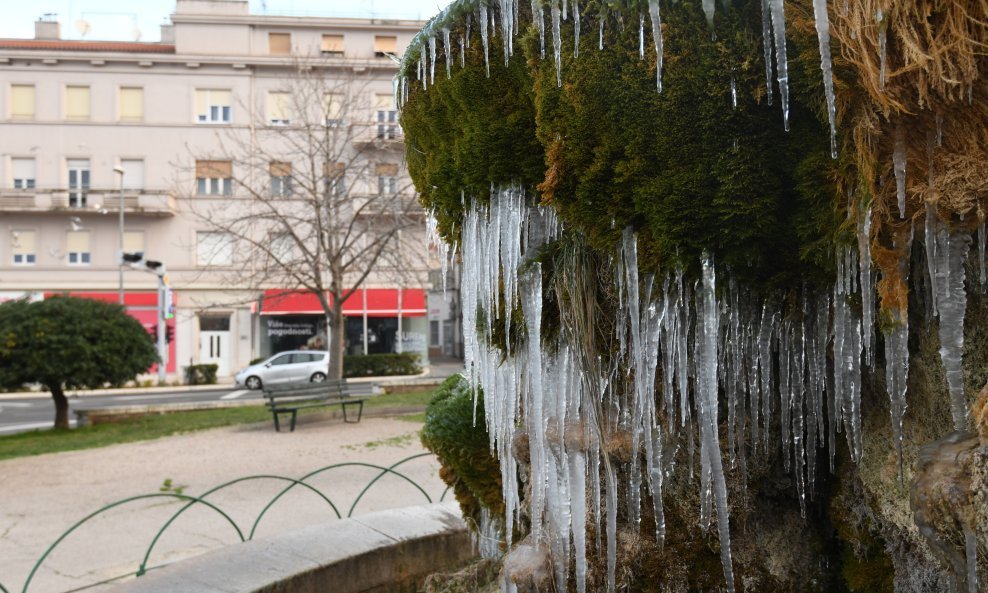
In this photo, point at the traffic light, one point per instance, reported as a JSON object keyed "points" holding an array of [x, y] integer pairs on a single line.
{"points": [[169, 333]]}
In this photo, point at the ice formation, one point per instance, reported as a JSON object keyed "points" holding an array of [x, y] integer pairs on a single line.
{"points": [[899, 168], [698, 340], [823, 36], [777, 9], [882, 42]]}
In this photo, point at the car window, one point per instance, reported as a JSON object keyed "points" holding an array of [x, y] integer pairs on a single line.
{"points": [[283, 359], [312, 357]]}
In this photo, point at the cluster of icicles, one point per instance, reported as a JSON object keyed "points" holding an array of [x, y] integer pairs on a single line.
{"points": [[711, 338], [773, 33]]}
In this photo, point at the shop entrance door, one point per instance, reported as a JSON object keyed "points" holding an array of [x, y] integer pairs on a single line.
{"points": [[214, 343]]}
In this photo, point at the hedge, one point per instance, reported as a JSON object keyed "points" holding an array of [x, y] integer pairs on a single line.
{"points": [[201, 374], [378, 365]]}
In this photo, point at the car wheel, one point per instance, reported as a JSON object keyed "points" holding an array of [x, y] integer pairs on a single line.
{"points": [[252, 383], [318, 377]]}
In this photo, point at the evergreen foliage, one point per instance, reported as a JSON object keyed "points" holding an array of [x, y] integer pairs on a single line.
{"points": [[463, 448]]}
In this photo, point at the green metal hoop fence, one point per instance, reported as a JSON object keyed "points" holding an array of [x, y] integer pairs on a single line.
{"points": [[190, 501]]}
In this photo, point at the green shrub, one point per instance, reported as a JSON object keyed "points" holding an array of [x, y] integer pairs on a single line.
{"points": [[379, 365], [201, 374], [463, 448], [254, 361]]}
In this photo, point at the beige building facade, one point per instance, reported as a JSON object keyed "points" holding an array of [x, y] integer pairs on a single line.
{"points": [[177, 130]]}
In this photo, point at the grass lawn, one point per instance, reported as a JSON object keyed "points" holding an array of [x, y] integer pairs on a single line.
{"points": [[152, 427]]}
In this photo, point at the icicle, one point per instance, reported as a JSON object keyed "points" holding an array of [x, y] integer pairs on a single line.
{"points": [[600, 43], [449, 53], [708, 9], [781, 65], [612, 496], [483, 36], [899, 167], [565, 9], [576, 28], [767, 47], [734, 94], [707, 405], [432, 60], [867, 291], [971, 552], [557, 43], [506, 29], [653, 14], [981, 254], [882, 42], [823, 36], [468, 25], [463, 52], [930, 242], [538, 15], [939, 122], [952, 250], [641, 36]]}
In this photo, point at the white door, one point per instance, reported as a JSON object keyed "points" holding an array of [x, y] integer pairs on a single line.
{"points": [[214, 348]]}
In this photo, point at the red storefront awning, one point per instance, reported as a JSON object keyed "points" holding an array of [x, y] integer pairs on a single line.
{"points": [[381, 302]]}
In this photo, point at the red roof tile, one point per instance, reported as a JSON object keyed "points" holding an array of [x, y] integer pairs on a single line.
{"points": [[70, 45]]}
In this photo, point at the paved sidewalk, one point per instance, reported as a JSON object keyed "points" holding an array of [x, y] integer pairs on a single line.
{"points": [[43, 496]]}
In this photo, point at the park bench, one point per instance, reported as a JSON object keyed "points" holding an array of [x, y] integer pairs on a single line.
{"points": [[289, 399]]}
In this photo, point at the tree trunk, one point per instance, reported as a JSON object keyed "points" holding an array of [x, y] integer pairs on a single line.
{"points": [[336, 325], [61, 405]]}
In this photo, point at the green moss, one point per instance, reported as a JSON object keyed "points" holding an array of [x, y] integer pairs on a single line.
{"points": [[463, 448]]}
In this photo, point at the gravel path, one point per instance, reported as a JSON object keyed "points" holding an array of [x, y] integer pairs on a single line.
{"points": [[42, 496]]}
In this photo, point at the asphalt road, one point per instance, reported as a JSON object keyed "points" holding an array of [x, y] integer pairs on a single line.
{"points": [[21, 414]]}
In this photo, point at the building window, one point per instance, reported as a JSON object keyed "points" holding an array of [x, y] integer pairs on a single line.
{"points": [[23, 173], [334, 177], [384, 45], [281, 178], [22, 247], [282, 248], [333, 103], [77, 247], [78, 182], [213, 106], [133, 242], [434, 333], [332, 46], [77, 103], [386, 117], [214, 178], [387, 178], [280, 44], [214, 249], [22, 101], [131, 104], [133, 177], [279, 108]]}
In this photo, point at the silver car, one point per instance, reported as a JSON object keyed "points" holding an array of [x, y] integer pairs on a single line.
{"points": [[294, 366]]}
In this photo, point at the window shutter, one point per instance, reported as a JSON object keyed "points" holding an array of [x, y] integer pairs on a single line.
{"points": [[77, 241], [133, 241], [220, 98], [22, 242], [384, 103], [22, 101], [23, 168], [387, 170], [77, 102], [280, 44], [334, 105], [280, 169], [133, 177], [385, 44], [332, 43], [279, 106], [131, 104], [214, 169]]}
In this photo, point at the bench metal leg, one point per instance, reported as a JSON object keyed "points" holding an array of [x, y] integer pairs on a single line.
{"points": [[294, 415], [277, 426], [360, 411]]}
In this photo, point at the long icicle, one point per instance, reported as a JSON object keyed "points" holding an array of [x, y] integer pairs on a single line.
{"points": [[826, 65], [781, 62]]}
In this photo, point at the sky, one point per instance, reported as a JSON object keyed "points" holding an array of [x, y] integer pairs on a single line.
{"points": [[124, 20]]}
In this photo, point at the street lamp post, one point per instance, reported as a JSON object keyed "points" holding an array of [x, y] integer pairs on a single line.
{"points": [[120, 294]]}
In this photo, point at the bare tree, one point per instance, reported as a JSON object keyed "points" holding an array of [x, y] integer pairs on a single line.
{"points": [[318, 198]]}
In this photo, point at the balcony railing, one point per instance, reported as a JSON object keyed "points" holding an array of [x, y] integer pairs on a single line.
{"points": [[148, 202], [378, 134]]}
